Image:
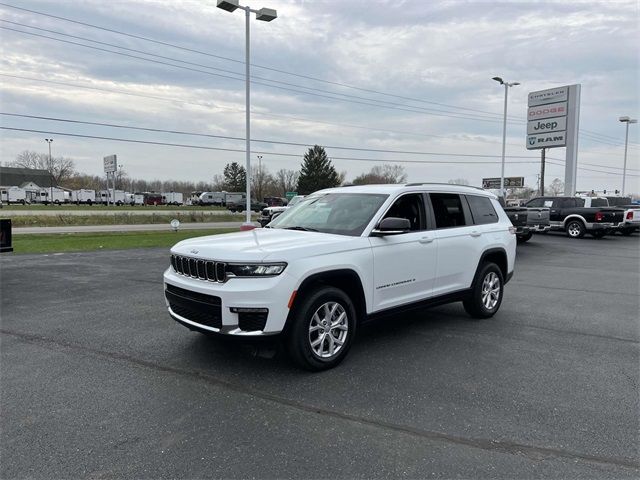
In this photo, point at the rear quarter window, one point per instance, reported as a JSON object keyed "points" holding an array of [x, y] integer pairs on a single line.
{"points": [[448, 210], [482, 210]]}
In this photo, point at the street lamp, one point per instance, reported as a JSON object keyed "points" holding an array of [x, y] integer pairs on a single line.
{"points": [[49, 141], [504, 127], [266, 15], [626, 120]]}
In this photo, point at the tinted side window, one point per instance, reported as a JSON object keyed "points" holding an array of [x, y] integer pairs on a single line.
{"points": [[448, 211], [564, 203], [599, 202], [411, 207], [579, 202], [482, 210]]}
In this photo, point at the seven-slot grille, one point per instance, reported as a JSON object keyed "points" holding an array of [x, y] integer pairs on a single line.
{"points": [[201, 269]]}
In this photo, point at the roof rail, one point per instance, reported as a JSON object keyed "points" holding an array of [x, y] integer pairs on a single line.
{"points": [[418, 184]]}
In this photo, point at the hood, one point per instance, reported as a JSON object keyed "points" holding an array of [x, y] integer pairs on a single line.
{"points": [[263, 244]]}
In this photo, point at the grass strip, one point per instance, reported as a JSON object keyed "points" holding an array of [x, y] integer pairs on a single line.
{"points": [[117, 219], [81, 242]]}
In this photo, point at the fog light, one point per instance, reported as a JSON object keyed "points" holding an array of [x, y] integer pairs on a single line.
{"points": [[248, 310]]}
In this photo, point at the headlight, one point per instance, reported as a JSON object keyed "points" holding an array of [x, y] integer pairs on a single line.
{"points": [[255, 270]]}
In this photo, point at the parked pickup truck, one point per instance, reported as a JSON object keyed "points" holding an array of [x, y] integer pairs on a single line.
{"points": [[528, 221], [631, 219], [572, 216]]}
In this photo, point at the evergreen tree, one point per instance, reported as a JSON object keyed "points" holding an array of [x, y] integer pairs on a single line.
{"points": [[235, 177], [317, 172]]}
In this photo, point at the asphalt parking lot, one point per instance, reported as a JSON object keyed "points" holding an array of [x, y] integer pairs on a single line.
{"points": [[97, 381]]}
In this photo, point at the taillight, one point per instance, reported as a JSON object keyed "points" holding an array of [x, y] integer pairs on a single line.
{"points": [[629, 215], [599, 216]]}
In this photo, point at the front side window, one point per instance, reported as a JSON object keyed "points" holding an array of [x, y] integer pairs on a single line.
{"points": [[535, 203], [411, 207], [482, 210], [448, 210], [339, 213]]}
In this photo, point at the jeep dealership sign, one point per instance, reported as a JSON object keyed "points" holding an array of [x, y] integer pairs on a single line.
{"points": [[552, 121]]}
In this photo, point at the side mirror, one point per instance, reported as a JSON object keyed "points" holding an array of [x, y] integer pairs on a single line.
{"points": [[392, 226]]}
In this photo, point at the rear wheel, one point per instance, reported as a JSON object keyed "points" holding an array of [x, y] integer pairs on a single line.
{"points": [[575, 229], [486, 292], [322, 330]]}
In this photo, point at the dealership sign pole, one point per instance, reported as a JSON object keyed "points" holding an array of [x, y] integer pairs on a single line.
{"points": [[110, 167], [552, 121]]}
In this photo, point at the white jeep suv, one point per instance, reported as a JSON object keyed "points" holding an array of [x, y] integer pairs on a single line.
{"points": [[343, 256]]}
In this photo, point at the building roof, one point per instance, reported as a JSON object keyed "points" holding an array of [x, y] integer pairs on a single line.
{"points": [[13, 177]]}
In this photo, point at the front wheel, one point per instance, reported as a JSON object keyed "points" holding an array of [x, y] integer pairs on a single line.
{"points": [[322, 330], [486, 292], [575, 229]]}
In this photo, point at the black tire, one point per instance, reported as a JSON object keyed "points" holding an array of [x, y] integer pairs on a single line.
{"points": [[474, 305], [299, 337], [525, 237], [575, 229], [598, 233]]}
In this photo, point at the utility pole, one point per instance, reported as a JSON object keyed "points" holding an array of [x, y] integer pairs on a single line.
{"points": [[259, 182], [543, 154], [49, 141]]}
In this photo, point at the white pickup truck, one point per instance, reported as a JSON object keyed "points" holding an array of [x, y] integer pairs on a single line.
{"points": [[631, 221]]}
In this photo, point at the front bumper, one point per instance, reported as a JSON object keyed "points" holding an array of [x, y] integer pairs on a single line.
{"points": [[271, 293]]}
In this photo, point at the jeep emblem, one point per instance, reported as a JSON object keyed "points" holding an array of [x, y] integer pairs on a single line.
{"points": [[194, 251]]}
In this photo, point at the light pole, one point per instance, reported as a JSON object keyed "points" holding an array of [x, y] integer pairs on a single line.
{"points": [[259, 182], [504, 127], [49, 141], [626, 120], [266, 15]]}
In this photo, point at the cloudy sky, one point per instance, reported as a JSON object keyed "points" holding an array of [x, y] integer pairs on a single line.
{"points": [[400, 76]]}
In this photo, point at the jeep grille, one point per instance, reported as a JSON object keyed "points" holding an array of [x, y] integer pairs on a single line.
{"points": [[208, 270]]}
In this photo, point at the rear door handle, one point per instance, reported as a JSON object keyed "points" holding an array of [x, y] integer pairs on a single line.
{"points": [[475, 233], [426, 240]]}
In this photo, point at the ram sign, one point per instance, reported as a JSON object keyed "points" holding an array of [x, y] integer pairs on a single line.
{"points": [[545, 140]]}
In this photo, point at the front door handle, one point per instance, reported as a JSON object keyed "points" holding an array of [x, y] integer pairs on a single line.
{"points": [[426, 240], [475, 233]]}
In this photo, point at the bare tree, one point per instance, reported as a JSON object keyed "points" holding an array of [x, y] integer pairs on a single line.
{"points": [[60, 168], [382, 174], [286, 180], [556, 187]]}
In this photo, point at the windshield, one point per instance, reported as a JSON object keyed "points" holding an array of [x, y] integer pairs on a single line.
{"points": [[296, 199], [339, 213]]}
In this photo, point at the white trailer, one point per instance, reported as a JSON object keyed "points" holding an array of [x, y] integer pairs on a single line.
{"points": [[118, 197], [11, 195], [212, 198], [83, 196], [58, 195], [173, 198], [234, 197], [102, 196], [138, 199]]}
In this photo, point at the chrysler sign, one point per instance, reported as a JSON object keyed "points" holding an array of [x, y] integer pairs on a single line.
{"points": [[560, 94]]}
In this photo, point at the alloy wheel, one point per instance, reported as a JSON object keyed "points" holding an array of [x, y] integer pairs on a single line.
{"points": [[328, 330], [490, 290]]}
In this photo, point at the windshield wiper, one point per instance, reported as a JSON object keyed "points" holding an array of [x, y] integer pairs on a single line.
{"points": [[303, 229]]}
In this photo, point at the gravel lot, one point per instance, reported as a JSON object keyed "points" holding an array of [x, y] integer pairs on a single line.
{"points": [[97, 380]]}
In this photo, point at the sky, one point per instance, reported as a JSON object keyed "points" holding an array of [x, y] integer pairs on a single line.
{"points": [[399, 76]]}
